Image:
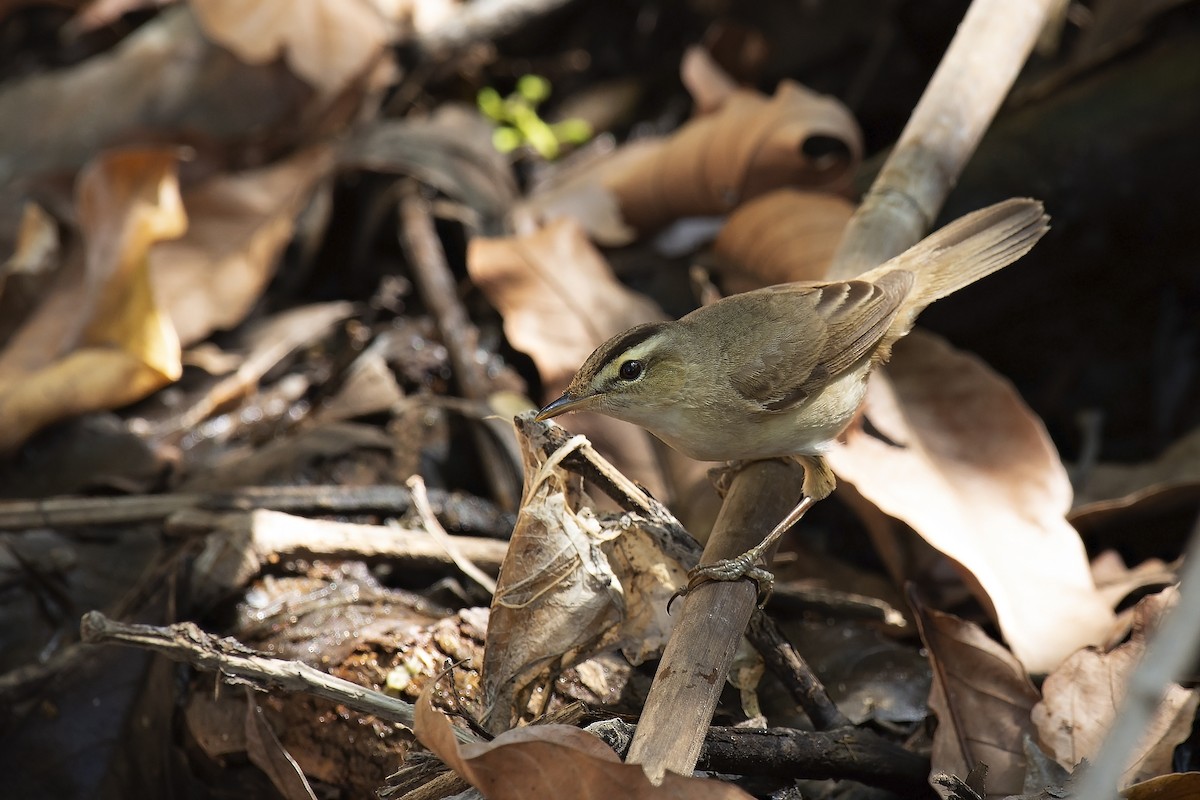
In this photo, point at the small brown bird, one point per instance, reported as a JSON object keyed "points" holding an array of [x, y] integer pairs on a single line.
{"points": [[781, 371]]}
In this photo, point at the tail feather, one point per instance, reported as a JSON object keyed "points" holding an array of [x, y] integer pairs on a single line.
{"points": [[962, 252]]}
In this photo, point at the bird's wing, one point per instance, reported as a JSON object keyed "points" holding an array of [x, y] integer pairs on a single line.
{"points": [[810, 333]]}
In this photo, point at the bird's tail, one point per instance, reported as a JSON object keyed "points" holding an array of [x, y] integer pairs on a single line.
{"points": [[963, 252]]}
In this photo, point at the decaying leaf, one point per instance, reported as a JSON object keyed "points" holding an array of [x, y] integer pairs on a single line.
{"points": [[972, 470], [982, 699], [560, 300], [572, 584], [1080, 700], [784, 235], [99, 339], [751, 145], [239, 224], [328, 43], [542, 761]]}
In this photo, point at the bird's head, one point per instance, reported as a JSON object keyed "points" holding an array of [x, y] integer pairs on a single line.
{"points": [[633, 376]]}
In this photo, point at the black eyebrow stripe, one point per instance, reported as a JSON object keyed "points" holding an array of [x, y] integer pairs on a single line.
{"points": [[633, 337]]}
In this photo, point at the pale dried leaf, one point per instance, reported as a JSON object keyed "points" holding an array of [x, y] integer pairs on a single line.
{"points": [[1116, 581], [239, 225], [101, 13], [751, 146], [328, 43], [542, 761], [785, 235], [99, 340], [560, 300], [708, 84], [982, 699], [573, 584], [973, 471], [1081, 698]]}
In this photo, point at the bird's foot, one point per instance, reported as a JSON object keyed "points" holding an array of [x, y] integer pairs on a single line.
{"points": [[732, 569]]}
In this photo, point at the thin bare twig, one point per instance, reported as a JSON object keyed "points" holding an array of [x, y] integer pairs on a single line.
{"points": [[455, 512], [417, 486], [238, 664]]}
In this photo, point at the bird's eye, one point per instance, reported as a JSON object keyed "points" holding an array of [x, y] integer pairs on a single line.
{"points": [[630, 370]]}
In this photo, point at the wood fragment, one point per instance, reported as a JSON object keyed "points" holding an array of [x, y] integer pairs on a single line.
{"points": [[457, 513]]}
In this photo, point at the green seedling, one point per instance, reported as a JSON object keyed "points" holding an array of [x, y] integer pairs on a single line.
{"points": [[518, 123]]}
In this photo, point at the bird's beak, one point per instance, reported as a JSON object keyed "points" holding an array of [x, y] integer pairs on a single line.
{"points": [[568, 402]]}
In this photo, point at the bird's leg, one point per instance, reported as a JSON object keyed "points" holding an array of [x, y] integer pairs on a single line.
{"points": [[818, 484]]}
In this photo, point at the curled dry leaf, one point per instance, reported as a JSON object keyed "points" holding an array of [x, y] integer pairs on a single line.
{"points": [[1176, 786], [99, 339], [328, 43], [541, 761], [785, 235], [573, 583], [752, 145], [982, 699], [1114, 487], [560, 300], [238, 226], [1080, 700], [973, 471]]}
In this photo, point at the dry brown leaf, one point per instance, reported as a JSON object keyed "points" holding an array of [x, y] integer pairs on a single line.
{"points": [[164, 82], [973, 471], [1112, 487], [29, 271], [560, 300], [328, 43], [238, 226], [573, 583], [542, 761], [1176, 786], [101, 13], [752, 145], [785, 235], [99, 340], [708, 84], [1116, 581], [982, 699], [1081, 698]]}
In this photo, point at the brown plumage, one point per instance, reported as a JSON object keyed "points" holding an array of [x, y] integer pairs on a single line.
{"points": [[781, 371]]}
